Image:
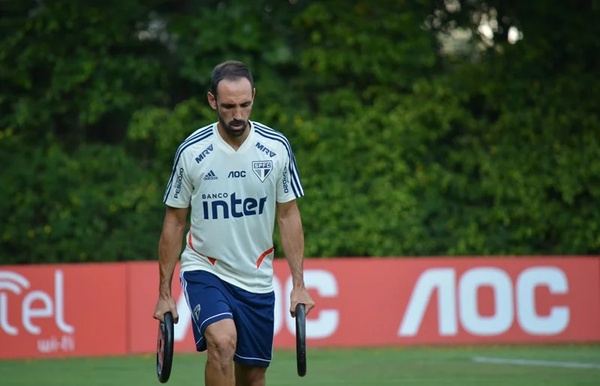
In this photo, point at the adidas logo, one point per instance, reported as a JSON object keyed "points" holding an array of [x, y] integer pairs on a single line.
{"points": [[210, 176]]}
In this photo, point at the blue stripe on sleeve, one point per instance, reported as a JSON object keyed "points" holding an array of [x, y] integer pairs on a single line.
{"points": [[198, 136]]}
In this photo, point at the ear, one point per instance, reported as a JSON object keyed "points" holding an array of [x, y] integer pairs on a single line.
{"points": [[253, 93], [212, 100]]}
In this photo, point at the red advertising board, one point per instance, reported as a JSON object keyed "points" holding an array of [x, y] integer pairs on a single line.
{"points": [[454, 301], [62, 310], [102, 309]]}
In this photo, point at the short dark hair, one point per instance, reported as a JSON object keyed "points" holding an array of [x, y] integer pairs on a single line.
{"points": [[231, 70]]}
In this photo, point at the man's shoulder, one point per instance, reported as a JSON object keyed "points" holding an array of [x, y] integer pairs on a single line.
{"points": [[269, 135], [200, 137]]}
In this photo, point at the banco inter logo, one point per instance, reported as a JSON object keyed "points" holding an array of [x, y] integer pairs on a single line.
{"points": [[217, 206]]}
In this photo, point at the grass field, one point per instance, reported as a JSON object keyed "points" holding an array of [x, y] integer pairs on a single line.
{"points": [[552, 365]]}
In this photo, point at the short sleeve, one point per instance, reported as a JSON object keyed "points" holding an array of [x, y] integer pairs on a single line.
{"points": [[179, 189], [289, 186]]}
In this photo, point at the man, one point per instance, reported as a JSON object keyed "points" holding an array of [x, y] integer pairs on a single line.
{"points": [[237, 177]]}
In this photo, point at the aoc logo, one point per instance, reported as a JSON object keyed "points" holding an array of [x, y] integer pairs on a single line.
{"points": [[237, 174], [262, 169], [204, 153], [515, 301], [223, 205]]}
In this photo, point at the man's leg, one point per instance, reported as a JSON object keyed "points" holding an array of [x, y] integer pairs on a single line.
{"points": [[249, 375], [221, 339]]}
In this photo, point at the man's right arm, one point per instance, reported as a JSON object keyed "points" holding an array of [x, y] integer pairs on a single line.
{"points": [[169, 249]]}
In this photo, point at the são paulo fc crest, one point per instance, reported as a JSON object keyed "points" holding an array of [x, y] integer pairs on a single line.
{"points": [[262, 169]]}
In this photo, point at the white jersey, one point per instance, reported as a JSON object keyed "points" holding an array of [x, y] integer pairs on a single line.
{"points": [[233, 196]]}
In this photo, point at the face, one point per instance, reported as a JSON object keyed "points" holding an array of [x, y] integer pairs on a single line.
{"points": [[233, 104]]}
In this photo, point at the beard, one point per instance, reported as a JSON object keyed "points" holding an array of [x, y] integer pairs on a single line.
{"points": [[235, 128]]}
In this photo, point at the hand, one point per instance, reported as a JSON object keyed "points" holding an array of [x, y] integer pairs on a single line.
{"points": [[300, 295], [165, 305]]}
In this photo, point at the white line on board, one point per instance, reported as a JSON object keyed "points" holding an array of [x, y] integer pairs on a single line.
{"points": [[532, 362]]}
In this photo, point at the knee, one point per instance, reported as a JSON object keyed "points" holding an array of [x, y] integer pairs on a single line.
{"points": [[221, 346]]}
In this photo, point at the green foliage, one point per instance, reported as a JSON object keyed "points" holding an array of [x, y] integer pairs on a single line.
{"points": [[155, 132], [404, 146], [97, 201], [345, 48], [77, 69]]}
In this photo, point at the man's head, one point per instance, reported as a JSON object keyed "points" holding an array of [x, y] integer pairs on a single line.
{"points": [[232, 95]]}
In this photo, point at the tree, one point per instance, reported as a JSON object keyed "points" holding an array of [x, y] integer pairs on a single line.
{"points": [[420, 128]]}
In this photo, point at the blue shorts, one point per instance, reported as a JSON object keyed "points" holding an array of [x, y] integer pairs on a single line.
{"points": [[211, 299]]}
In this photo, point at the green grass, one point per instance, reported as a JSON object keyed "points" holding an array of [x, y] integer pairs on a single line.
{"points": [[422, 366]]}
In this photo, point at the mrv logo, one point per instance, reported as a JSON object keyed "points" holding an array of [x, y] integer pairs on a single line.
{"points": [[223, 205], [265, 150], [204, 153]]}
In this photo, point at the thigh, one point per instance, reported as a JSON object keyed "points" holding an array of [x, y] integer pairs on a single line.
{"points": [[208, 302], [222, 337], [254, 320]]}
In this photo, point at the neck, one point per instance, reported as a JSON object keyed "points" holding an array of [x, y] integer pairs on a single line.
{"points": [[234, 141]]}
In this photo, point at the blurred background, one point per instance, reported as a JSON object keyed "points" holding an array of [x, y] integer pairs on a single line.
{"points": [[421, 128]]}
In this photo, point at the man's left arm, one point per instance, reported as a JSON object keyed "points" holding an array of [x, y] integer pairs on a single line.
{"points": [[292, 240]]}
